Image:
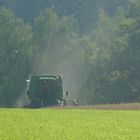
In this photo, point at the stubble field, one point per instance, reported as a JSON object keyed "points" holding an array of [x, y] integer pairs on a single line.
{"points": [[69, 124]]}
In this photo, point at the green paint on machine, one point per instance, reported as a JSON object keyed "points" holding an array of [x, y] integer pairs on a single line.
{"points": [[44, 91]]}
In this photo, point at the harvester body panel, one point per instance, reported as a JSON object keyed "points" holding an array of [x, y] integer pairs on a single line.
{"points": [[44, 90]]}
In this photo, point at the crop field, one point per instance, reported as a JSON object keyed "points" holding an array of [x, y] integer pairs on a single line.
{"points": [[69, 124]]}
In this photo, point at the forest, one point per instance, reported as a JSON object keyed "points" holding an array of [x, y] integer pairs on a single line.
{"points": [[93, 44]]}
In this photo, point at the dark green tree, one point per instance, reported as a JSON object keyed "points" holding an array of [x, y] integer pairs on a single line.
{"points": [[16, 51]]}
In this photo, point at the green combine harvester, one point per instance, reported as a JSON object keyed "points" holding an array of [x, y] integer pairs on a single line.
{"points": [[44, 91]]}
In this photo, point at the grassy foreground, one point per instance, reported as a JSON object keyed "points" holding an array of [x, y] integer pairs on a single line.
{"points": [[69, 124]]}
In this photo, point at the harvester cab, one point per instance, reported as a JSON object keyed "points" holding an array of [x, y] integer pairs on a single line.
{"points": [[44, 91]]}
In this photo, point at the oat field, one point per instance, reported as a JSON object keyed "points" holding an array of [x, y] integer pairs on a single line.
{"points": [[69, 124]]}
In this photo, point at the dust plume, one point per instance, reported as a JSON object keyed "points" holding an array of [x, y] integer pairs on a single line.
{"points": [[69, 65]]}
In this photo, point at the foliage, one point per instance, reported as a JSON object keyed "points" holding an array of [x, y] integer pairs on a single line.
{"points": [[54, 37], [15, 54], [114, 59], [94, 44], [86, 12]]}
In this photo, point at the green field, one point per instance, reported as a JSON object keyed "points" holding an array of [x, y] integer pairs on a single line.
{"points": [[69, 124]]}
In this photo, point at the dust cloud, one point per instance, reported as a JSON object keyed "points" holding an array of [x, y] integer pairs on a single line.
{"points": [[69, 66]]}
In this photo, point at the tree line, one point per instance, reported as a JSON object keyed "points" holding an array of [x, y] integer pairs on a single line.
{"points": [[94, 44]]}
